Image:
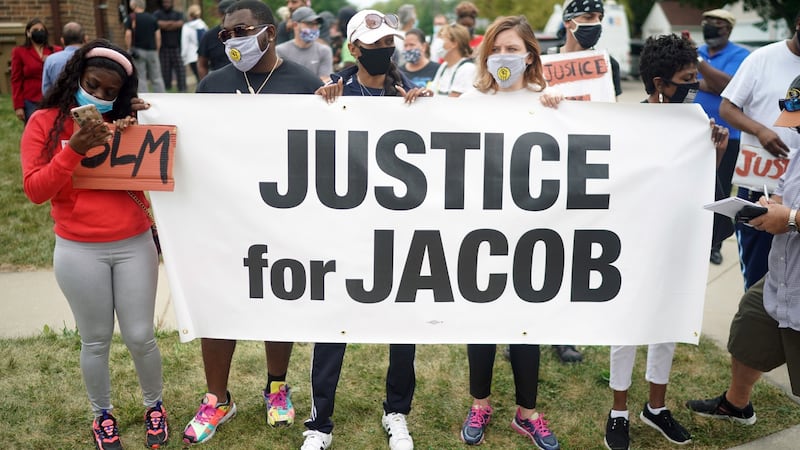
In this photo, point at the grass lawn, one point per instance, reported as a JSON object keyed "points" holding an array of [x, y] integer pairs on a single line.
{"points": [[44, 403]]}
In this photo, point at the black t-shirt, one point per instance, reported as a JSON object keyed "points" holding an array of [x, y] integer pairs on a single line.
{"points": [[288, 78], [211, 48], [423, 76], [172, 38], [144, 36]]}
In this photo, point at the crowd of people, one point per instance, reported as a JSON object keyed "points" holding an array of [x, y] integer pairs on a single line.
{"points": [[106, 263]]}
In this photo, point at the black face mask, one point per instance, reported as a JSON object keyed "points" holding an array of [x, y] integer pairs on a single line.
{"points": [[712, 35], [588, 35], [39, 36], [684, 92], [376, 61]]}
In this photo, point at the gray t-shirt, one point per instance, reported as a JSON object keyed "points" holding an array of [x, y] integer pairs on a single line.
{"points": [[318, 58]]}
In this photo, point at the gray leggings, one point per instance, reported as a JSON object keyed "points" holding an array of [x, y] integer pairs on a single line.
{"points": [[98, 279]]}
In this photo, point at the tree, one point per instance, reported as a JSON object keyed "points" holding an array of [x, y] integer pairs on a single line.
{"points": [[776, 9], [767, 9]]}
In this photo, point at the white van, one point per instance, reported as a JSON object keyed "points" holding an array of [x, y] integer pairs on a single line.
{"points": [[616, 37]]}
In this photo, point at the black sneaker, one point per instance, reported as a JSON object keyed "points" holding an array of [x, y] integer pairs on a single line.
{"points": [[667, 425], [617, 433], [721, 408], [568, 353]]}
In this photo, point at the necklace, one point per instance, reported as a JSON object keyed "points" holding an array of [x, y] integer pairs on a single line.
{"points": [[247, 80], [366, 92]]}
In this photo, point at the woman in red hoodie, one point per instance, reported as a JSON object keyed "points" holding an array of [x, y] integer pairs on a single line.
{"points": [[27, 65], [105, 260]]}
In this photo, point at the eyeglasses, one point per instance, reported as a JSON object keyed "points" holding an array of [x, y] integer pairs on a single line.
{"points": [[374, 21], [789, 104], [238, 31]]}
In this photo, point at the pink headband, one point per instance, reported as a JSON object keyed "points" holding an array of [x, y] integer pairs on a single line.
{"points": [[117, 57]]}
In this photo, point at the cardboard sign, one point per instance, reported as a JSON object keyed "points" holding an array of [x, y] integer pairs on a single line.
{"points": [[756, 168], [138, 158], [582, 75]]}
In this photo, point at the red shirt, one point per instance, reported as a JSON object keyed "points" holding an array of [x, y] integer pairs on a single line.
{"points": [[26, 73], [84, 215]]}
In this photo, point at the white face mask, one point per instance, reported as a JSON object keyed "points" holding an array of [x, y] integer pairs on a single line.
{"points": [[506, 68], [244, 52], [441, 52]]}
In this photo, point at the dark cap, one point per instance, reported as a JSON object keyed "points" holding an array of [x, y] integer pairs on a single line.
{"points": [[304, 14]]}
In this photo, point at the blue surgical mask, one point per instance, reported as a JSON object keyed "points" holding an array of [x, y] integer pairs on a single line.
{"points": [[84, 98]]}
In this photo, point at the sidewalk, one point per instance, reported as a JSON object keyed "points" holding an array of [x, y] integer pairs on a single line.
{"points": [[31, 300]]}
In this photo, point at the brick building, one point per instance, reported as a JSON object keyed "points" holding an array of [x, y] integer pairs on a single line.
{"points": [[100, 18]]}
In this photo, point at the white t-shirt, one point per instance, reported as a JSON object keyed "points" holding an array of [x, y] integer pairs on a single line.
{"points": [[456, 78], [762, 80]]}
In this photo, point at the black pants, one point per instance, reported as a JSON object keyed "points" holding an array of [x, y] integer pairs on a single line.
{"points": [[524, 364], [326, 366], [724, 175]]}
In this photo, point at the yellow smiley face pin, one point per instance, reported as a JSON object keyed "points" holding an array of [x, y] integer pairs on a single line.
{"points": [[503, 73], [235, 54]]}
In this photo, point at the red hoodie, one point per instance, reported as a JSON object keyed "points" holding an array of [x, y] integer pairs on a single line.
{"points": [[84, 215]]}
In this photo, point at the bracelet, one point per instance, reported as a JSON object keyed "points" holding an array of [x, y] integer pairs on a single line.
{"points": [[700, 59]]}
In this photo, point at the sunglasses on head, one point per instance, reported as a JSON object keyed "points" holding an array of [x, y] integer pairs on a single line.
{"points": [[238, 31], [789, 104], [374, 21]]}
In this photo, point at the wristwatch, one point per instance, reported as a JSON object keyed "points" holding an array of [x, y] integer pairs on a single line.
{"points": [[792, 224]]}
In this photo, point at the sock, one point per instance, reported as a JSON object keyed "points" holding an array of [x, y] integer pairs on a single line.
{"points": [[655, 411], [614, 414], [274, 383]]}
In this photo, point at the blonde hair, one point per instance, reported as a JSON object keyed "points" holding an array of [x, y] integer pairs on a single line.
{"points": [[460, 35], [534, 74], [194, 11]]}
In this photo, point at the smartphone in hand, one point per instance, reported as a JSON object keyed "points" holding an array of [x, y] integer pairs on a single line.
{"points": [[84, 114], [749, 212]]}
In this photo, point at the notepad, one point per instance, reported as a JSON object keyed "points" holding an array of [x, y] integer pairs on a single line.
{"points": [[729, 206]]}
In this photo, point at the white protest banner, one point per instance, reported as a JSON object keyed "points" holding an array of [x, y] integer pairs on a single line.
{"points": [[484, 219], [756, 168], [584, 75]]}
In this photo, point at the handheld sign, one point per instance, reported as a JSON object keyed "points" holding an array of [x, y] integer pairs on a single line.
{"points": [[138, 158], [584, 75], [756, 167]]}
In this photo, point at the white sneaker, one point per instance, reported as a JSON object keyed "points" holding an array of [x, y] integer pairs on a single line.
{"points": [[395, 425], [316, 440]]}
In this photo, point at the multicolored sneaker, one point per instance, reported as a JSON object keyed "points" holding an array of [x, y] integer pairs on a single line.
{"points": [[280, 411], [474, 428], [536, 429], [106, 432], [155, 425], [208, 418]]}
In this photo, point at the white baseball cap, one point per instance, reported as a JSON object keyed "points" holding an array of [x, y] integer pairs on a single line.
{"points": [[369, 25]]}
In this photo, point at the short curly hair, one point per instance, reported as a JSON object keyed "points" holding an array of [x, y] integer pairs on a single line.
{"points": [[662, 56]]}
